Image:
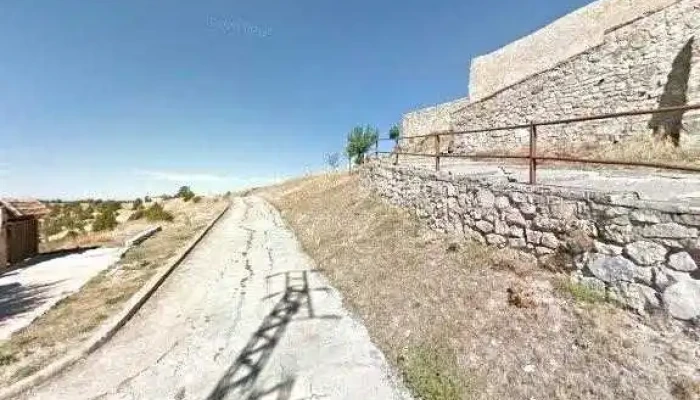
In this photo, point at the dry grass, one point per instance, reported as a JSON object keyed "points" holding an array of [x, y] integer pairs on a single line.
{"points": [[73, 320], [414, 288], [640, 148]]}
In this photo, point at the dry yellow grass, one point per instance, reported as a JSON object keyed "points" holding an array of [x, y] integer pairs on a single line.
{"points": [[73, 320], [414, 288], [640, 148]]}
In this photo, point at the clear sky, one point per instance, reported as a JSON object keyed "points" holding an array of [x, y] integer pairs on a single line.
{"points": [[120, 98]]}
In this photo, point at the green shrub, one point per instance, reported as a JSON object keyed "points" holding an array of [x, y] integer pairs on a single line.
{"points": [[105, 221], [197, 199], [185, 193], [157, 213]]}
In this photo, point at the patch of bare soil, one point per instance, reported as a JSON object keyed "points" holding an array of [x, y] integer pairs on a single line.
{"points": [[513, 329], [75, 318]]}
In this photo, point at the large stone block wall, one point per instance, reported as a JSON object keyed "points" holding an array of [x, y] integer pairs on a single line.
{"points": [[647, 63], [643, 254], [562, 39], [431, 119]]}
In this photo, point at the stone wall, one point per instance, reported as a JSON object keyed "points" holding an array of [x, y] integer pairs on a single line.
{"points": [[642, 253], [431, 119], [648, 63], [562, 39]]}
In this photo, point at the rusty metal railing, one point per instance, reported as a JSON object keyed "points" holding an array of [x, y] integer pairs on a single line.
{"points": [[533, 159]]}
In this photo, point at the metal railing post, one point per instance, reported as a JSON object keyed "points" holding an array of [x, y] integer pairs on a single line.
{"points": [[533, 153], [437, 152], [376, 148], [396, 150]]}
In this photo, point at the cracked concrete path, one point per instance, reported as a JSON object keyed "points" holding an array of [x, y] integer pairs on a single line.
{"points": [[244, 317]]}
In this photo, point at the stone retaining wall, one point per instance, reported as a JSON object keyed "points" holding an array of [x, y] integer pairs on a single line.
{"points": [[643, 253]]}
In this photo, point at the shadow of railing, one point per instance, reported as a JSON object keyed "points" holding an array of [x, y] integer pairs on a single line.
{"points": [[242, 375]]}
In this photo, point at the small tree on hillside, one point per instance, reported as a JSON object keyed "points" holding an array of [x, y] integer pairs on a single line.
{"points": [[185, 193], [394, 132], [332, 160], [360, 140]]}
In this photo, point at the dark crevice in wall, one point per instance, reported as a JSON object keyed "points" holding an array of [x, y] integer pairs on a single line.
{"points": [[669, 125]]}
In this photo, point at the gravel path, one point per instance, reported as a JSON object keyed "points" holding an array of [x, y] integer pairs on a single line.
{"points": [[244, 317]]}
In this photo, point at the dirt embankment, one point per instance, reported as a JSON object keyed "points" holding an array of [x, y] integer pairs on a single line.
{"points": [[465, 321]]}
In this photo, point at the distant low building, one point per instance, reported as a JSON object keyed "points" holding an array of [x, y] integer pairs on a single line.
{"points": [[19, 229]]}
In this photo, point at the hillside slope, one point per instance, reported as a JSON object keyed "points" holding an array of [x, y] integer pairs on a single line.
{"points": [[464, 321]]}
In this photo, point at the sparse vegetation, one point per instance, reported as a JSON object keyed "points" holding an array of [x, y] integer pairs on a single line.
{"points": [[430, 374], [156, 212], [580, 292]]}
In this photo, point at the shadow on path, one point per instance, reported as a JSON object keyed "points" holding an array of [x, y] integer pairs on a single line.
{"points": [[244, 372], [16, 298]]}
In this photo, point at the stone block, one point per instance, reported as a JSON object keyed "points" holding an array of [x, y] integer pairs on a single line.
{"points": [[682, 261], [682, 299], [496, 240], [607, 249], [646, 253], [645, 216], [669, 230], [485, 198], [611, 269], [533, 237], [514, 217], [484, 226], [549, 240], [502, 202], [618, 234]]}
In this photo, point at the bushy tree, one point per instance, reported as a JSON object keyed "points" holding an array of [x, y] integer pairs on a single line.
{"points": [[185, 193], [360, 140], [394, 132]]}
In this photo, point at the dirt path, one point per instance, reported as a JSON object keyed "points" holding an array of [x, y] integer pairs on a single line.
{"points": [[244, 317]]}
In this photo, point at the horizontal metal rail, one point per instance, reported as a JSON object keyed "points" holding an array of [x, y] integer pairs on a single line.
{"points": [[532, 157]]}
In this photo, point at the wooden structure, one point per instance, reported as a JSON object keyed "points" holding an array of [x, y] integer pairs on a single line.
{"points": [[19, 229]]}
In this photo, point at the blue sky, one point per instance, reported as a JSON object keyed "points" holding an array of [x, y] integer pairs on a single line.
{"points": [[123, 98]]}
